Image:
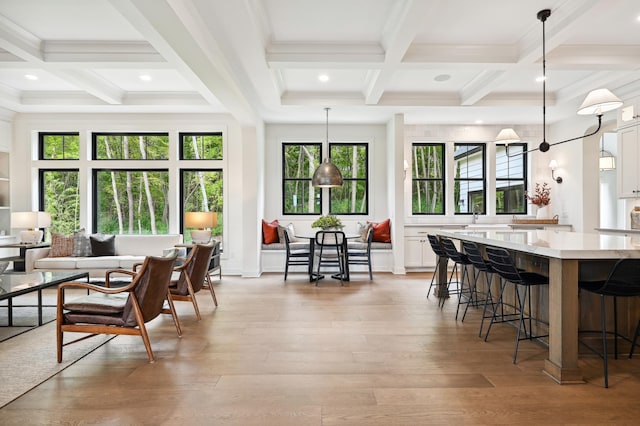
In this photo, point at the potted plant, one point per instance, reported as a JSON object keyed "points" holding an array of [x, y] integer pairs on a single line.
{"points": [[541, 198], [328, 222]]}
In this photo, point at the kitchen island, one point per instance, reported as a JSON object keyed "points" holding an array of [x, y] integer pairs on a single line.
{"points": [[570, 255]]}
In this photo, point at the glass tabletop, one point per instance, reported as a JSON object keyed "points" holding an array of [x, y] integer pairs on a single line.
{"points": [[16, 284]]}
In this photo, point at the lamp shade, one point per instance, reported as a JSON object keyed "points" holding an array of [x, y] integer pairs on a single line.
{"points": [[30, 220], [553, 164], [598, 102], [327, 175], [507, 136], [200, 220]]}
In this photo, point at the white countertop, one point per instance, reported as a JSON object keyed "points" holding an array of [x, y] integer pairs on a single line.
{"points": [[619, 230], [556, 244]]}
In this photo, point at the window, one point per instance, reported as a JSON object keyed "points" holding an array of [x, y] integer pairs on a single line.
{"points": [[201, 146], [60, 196], [59, 146], [511, 179], [427, 186], [130, 146], [299, 161], [202, 191], [130, 201], [352, 160], [469, 181]]}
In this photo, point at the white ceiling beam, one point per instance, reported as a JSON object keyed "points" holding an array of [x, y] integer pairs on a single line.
{"points": [[558, 27], [19, 42], [98, 52], [400, 30], [322, 99], [29, 48], [334, 55], [172, 37]]}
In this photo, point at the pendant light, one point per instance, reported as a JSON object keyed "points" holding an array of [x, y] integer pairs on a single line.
{"points": [[607, 160], [597, 101], [327, 174]]}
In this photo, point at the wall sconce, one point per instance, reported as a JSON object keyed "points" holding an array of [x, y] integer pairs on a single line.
{"points": [[32, 221], [553, 165], [200, 220], [406, 167]]}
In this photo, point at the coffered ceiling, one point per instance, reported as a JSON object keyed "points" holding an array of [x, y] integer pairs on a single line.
{"points": [[436, 61]]}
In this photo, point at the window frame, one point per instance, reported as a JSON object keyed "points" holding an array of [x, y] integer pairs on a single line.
{"points": [[94, 145], [41, 189], [181, 172], [525, 163], [345, 179], [42, 135], [442, 179], [94, 189], [483, 147], [182, 135], [285, 179]]}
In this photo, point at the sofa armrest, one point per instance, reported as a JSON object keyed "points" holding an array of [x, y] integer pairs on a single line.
{"points": [[32, 255]]}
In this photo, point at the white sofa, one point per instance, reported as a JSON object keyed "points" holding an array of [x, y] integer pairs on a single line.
{"points": [[129, 249]]}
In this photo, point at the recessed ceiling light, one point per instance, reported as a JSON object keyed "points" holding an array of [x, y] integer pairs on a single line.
{"points": [[30, 77], [479, 121], [323, 78], [540, 79], [145, 77], [442, 77]]}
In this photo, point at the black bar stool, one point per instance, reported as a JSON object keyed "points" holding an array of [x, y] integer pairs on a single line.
{"points": [[440, 254], [459, 259], [502, 263], [480, 266], [623, 281]]}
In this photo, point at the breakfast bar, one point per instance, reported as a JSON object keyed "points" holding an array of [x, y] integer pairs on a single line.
{"points": [[569, 254]]}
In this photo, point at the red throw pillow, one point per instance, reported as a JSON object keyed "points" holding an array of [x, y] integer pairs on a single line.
{"points": [[270, 232], [381, 231]]}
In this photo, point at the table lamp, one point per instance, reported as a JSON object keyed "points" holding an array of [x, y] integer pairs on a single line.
{"points": [[200, 220], [33, 221]]}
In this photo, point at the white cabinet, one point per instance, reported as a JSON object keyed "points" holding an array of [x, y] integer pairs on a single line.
{"points": [[418, 253], [628, 160], [417, 250]]}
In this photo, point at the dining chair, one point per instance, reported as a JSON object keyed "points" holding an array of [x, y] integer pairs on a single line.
{"points": [[361, 255], [331, 251], [121, 310], [295, 257]]}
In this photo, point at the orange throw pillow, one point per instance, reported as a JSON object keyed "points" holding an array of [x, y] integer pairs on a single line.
{"points": [[381, 231], [270, 232]]}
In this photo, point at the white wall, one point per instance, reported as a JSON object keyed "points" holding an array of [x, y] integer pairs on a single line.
{"points": [[241, 164], [379, 166]]}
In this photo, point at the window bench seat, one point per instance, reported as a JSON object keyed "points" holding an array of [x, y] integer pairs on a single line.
{"points": [[273, 257]]}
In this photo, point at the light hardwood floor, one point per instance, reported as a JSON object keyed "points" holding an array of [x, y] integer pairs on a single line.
{"points": [[289, 353]]}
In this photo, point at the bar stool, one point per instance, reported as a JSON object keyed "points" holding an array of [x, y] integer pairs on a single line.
{"points": [[459, 259], [623, 281], [440, 254], [480, 266], [502, 263]]}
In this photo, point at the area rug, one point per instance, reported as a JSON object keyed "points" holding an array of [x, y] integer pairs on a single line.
{"points": [[30, 359]]}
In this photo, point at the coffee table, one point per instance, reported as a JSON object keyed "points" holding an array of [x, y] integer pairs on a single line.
{"points": [[12, 285]]}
